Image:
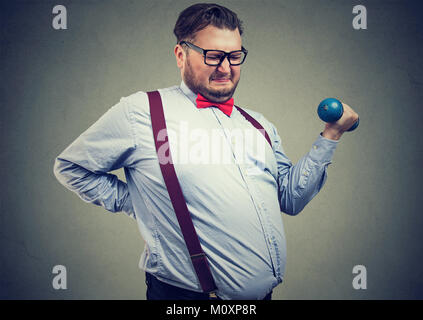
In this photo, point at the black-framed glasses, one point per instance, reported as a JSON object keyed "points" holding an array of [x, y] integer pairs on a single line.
{"points": [[216, 57]]}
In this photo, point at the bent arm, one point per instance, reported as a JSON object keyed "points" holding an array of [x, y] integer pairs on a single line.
{"points": [[104, 190], [299, 183], [84, 165]]}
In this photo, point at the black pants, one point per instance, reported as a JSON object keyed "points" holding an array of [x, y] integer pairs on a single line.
{"points": [[158, 290]]}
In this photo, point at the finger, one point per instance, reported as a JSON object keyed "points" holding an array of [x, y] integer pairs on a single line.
{"points": [[348, 111]]}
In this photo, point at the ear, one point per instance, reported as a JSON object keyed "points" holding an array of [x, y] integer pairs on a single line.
{"points": [[180, 55]]}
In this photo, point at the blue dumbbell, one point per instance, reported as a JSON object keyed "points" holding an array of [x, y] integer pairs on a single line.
{"points": [[331, 110]]}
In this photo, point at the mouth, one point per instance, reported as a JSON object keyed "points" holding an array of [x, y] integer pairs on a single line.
{"points": [[221, 80]]}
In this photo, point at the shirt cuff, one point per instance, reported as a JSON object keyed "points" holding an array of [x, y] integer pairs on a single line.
{"points": [[323, 149]]}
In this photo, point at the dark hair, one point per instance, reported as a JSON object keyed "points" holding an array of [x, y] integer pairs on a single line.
{"points": [[200, 15]]}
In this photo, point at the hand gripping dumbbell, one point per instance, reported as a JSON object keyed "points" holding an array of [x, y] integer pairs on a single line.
{"points": [[331, 110]]}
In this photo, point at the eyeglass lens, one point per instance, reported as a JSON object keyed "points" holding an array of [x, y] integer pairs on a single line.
{"points": [[215, 57]]}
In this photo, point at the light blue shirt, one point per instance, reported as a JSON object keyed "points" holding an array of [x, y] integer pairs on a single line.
{"points": [[235, 201]]}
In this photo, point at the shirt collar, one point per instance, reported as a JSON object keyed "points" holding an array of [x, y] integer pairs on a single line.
{"points": [[187, 91]]}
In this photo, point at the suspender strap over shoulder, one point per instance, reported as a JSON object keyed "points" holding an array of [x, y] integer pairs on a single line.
{"points": [[198, 257], [255, 123]]}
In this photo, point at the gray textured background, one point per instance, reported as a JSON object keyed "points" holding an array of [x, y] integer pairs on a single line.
{"points": [[55, 84]]}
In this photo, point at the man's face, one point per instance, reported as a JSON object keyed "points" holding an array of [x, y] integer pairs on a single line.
{"points": [[216, 83]]}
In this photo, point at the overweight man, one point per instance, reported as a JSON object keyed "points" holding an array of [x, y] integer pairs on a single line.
{"points": [[206, 180]]}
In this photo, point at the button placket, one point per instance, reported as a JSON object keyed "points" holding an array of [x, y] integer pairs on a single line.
{"points": [[258, 205]]}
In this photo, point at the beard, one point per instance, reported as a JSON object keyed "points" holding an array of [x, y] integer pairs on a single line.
{"points": [[213, 95]]}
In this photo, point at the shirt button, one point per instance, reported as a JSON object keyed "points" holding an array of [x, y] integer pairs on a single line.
{"points": [[314, 147]]}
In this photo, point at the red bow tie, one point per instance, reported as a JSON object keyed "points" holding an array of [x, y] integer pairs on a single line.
{"points": [[225, 107]]}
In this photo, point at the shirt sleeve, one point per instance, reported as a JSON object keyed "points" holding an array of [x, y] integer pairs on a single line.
{"points": [[299, 183], [107, 145]]}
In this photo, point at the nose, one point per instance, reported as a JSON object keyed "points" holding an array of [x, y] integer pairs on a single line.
{"points": [[224, 66]]}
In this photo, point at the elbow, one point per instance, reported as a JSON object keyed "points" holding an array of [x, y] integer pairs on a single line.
{"points": [[292, 208], [292, 211], [59, 168]]}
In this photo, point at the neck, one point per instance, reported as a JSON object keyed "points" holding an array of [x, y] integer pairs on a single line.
{"points": [[217, 98]]}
